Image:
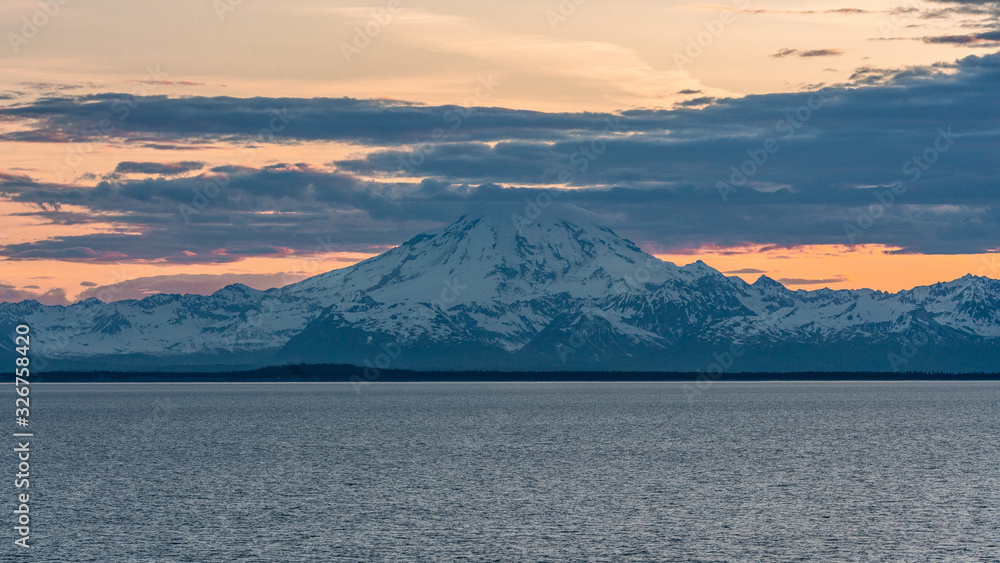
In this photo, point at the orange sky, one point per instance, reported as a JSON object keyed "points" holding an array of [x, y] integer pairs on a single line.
{"points": [[841, 267], [811, 267]]}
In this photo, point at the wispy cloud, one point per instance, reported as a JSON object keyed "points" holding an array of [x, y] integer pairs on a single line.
{"points": [[809, 53], [805, 281], [158, 168], [201, 284], [985, 39]]}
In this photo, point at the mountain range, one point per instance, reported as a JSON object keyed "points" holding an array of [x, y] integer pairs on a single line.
{"points": [[501, 291]]}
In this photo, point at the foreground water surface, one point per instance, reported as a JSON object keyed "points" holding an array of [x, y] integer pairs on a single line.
{"points": [[832, 471]]}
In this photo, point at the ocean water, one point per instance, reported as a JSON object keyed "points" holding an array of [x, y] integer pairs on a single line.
{"points": [[513, 472]]}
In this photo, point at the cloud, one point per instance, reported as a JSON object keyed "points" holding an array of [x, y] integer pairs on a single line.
{"points": [[848, 11], [969, 14], [11, 294], [802, 281], [759, 11], [88, 284], [158, 168], [655, 174], [171, 82], [746, 271], [809, 53], [618, 72], [972, 7], [985, 39], [173, 121], [200, 284], [253, 212], [169, 147], [697, 102]]}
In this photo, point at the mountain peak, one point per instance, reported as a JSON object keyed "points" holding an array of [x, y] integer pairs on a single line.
{"points": [[700, 268], [977, 279], [765, 281], [530, 219], [508, 252]]}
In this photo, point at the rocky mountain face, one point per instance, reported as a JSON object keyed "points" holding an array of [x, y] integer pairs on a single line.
{"points": [[496, 290]]}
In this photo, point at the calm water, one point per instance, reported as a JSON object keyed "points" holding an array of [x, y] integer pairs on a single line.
{"points": [[509, 472]]}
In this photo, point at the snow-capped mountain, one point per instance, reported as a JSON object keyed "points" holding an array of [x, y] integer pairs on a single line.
{"points": [[497, 290]]}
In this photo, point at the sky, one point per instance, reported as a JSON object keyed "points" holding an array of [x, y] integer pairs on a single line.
{"points": [[178, 147]]}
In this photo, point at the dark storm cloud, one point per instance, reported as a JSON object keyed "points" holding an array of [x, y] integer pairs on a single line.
{"points": [[910, 162]]}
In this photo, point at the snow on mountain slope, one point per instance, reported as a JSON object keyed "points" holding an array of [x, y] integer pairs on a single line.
{"points": [[495, 282], [494, 273], [567, 251], [234, 318]]}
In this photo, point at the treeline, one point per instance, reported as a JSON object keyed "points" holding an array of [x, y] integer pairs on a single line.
{"points": [[300, 373]]}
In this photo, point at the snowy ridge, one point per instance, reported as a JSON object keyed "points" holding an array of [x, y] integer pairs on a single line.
{"points": [[495, 289]]}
